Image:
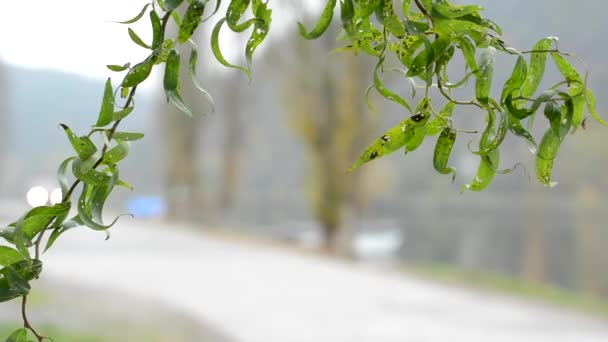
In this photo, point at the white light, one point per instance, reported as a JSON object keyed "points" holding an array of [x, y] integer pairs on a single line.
{"points": [[56, 196], [37, 196]]}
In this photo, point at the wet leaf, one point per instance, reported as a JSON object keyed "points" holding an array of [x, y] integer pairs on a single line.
{"points": [[437, 125], [106, 113], [485, 75], [127, 136], [215, 48], [137, 40], [536, 71], [191, 20], [171, 5], [118, 68], [322, 24], [83, 146], [385, 92], [193, 60], [576, 86], [117, 153], [20, 335], [547, 151], [9, 256], [137, 17], [138, 73], [392, 140], [171, 83], [590, 99], [260, 30]]}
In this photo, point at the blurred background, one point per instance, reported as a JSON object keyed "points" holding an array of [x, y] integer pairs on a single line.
{"points": [[266, 169]]}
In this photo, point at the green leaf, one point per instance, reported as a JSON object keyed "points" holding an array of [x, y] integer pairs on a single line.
{"points": [[171, 82], [138, 73], [37, 219], [137, 17], [9, 256], [443, 150], [215, 48], [322, 24], [517, 79], [260, 30], [117, 153], [84, 171], [392, 140], [194, 78], [536, 71], [90, 206], [106, 113], [62, 175], [437, 125], [157, 30], [122, 113], [390, 19], [499, 135], [468, 50], [576, 86], [547, 152], [518, 129], [191, 20], [137, 40], [171, 5], [590, 99], [385, 92], [20, 335], [483, 86], [83, 146], [489, 162], [235, 11], [127, 136], [446, 9], [118, 68]]}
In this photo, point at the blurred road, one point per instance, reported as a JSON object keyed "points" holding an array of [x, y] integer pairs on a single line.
{"points": [[254, 293]]}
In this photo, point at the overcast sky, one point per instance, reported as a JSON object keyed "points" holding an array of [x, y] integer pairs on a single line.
{"points": [[78, 35]]}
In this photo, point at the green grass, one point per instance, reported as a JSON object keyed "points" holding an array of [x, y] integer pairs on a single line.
{"points": [[510, 286]]}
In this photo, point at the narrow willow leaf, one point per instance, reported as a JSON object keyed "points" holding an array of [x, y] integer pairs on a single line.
{"points": [[518, 129], [90, 205], [576, 87], [489, 162], [347, 14], [419, 132], [391, 21], [193, 61], [137, 17], [547, 152], [83, 146], [20, 335], [235, 12], [322, 24], [138, 73], [37, 219], [21, 240], [392, 140], [443, 150], [106, 113], [215, 48], [191, 20], [62, 175], [405, 7], [124, 184], [485, 75], [171, 5], [446, 9], [122, 114], [499, 135], [117, 153], [83, 170], [536, 71], [157, 30], [62, 228], [517, 79], [176, 18], [428, 56], [137, 40], [171, 82], [385, 92], [590, 99], [437, 125], [260, 30], [127, 136], [9, 256], [118, 68]]}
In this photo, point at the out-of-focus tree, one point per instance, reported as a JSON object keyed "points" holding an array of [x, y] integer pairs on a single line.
{"points": [[3, 115], [185, 194], [233, 142], [327, 111]]}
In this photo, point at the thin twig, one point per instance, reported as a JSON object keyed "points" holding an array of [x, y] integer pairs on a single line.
{"points": [[26, 322]]}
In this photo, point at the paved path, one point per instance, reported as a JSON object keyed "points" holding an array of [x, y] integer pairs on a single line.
{"points": [[258, 294]]}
